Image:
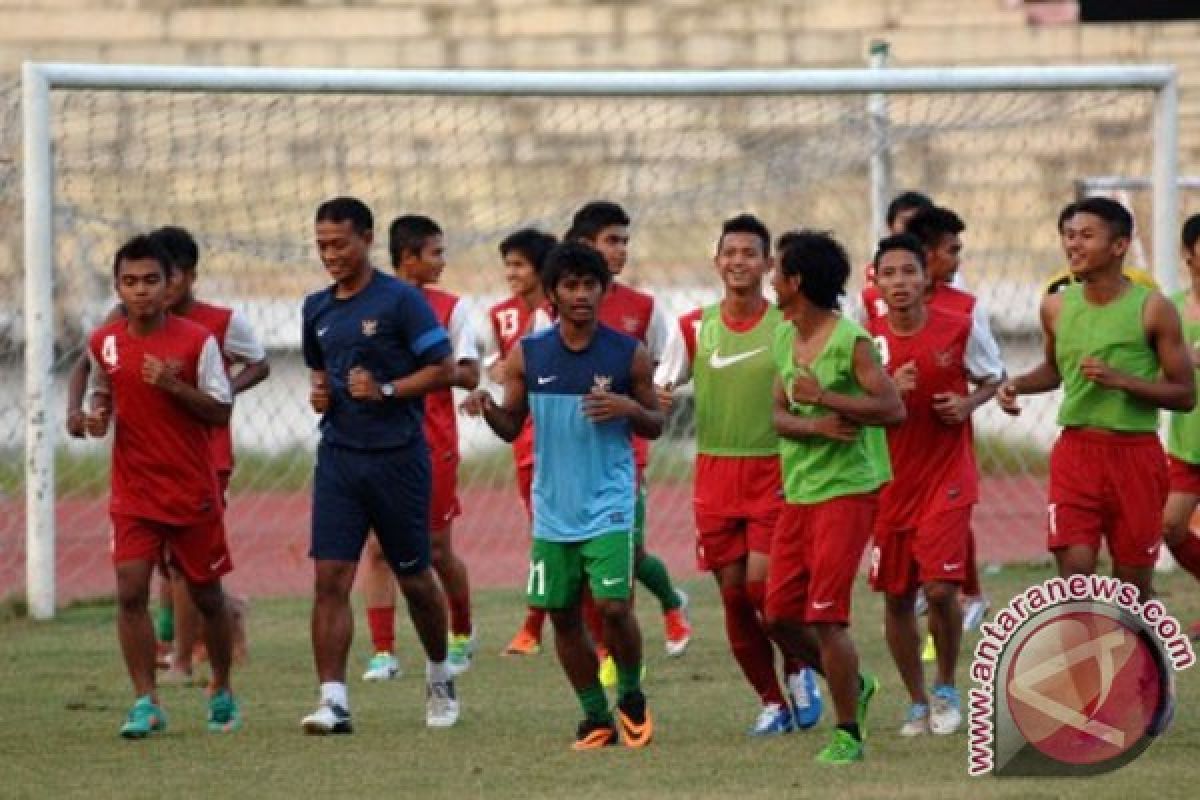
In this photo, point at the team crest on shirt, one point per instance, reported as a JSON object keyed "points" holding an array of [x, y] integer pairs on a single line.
{"points": [[370, 326], [602, 382], [631, 324]]}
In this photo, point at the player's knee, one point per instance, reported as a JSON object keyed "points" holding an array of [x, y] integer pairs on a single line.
{"points": [[941, 594], [209, 598], [332, 586], [613, 611], [132, 599], [900, 604], [1174, 532]]}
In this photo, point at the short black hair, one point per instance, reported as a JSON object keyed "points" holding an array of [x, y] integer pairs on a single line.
{"points": [[574, 258], [1115, 215], [1067, 212], [408, 234], [180, 246], [340, 209], [746, 223], [1191, 232], [531, 243], [901, 241], [821, 263], [906, 201], [140, 247], [929, 225], [593, 218]]}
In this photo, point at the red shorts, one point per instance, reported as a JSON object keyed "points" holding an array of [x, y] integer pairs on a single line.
{"points": [[939, 549], [443, 498], [815, 554], [1108, 486], [737, 501], [1184, 478], [198, 551]]}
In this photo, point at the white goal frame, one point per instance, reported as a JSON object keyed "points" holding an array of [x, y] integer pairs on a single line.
{"points": [[39, 79]]}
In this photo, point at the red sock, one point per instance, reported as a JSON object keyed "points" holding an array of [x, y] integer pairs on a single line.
{"points": [[970, 586], [1187, 553], [591, 618], [535, 618], [382, 622], [460, 613], [751, 648]]}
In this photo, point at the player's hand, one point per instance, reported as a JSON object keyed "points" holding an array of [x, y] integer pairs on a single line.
{"points": [[1006, 398], [1100, 373], [474, 404], [806, 388], [96, 421], [905, 377], [361, 385], [601, 405], [834, 426], [77, 423], [666, 397], [156, 372], [951, 408], [318, 394]]}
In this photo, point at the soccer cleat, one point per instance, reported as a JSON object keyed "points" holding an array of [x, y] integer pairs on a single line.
{"points": [[974, 610], [224, 715], [842, 749], [773, 720], [594, 735], [607, 672], [921, 603], [441, 704], [805, 694], [945, 712], [143, 719], [916, 721], [523, 644], [460, 652], [637, 726], [328, 718], [869, 686], [678, 627], [929, 651], [382, 667]]}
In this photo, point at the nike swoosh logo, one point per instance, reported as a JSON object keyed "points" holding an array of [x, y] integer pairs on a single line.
{"points": [[612, 581], [952, 567], [321, 331], [718, 361], [216, 565], [407, 564], [542, 381], [822, 606]]}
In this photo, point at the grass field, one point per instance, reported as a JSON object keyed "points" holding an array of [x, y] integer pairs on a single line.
{"points": [[64, 693]]}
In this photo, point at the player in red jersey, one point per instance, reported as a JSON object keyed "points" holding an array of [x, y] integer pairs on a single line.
{"points": [[417, 248], [922, 530], [605, 226], [162, 379], [902, 208], [527, 309]]}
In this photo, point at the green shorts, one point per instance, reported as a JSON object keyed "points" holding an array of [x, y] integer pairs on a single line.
{"points": [[557, 570], [639, 516]]}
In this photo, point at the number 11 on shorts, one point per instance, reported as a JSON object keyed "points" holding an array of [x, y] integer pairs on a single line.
{"points": [[536, 587]]}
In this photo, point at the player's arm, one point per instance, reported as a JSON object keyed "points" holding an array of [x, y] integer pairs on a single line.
{"points": [[245, 349], [791, 426], [640, 406], [210, 400], [466, 348], [1175, 388], [984, 373], [99, 395], [506, 419], [1045, 377], [675, 368], [879, 405], [78, 382]]}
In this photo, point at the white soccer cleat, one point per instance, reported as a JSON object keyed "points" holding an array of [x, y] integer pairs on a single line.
{"points": [[327, 719], [945, 711], [916, 722], [441, 704], [382, 667]]}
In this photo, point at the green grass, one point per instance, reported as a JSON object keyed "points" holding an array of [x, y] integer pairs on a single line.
{"points": [[64, 693]]}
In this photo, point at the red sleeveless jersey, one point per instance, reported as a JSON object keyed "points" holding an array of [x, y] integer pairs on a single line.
{"points": [[215, 319]]}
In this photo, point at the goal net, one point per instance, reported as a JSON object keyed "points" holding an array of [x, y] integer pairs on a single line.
{"points": [[244, 171]]}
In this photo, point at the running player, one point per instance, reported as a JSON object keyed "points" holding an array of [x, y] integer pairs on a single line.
{"points": [[737, 493], [830, 389], [1117, 350], [902, 208], [605, 227], [589, 389], [1063, 278], [418, 254], [375, 350], [923, 528], [162, 380]]}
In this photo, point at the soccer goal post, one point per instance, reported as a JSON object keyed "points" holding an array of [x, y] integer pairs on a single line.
{"points": [[240, 154]]}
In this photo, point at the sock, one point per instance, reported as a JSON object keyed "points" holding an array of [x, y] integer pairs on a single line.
{"points": [[460, 613], [593, 620], [652, 573], [852, 729], [436, 672], [594, 703], [750, 645], [535, 619], [335, 694], [971, 587], [1187, 553], [382, 622], [164, 624], [629, 679]]}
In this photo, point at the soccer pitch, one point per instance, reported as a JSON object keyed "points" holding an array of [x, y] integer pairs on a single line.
{"points": [[64, 693]]}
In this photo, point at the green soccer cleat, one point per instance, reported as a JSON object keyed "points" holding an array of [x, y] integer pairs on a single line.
{"points": [[870, 685], [842, 749], [459, 653], [143, 719], [224, 715]]}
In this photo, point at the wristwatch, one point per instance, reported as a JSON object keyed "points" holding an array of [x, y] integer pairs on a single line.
{"points": [[388, 390]]}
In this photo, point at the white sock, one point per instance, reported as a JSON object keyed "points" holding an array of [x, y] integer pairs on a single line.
{"points": [[436, 672], [335, 694]]}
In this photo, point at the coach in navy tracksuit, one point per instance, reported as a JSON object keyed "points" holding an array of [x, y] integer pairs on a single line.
{"points": [[375, 349]]}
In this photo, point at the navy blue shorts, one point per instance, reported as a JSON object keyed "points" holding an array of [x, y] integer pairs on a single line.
{"points": [[359, 491]]}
